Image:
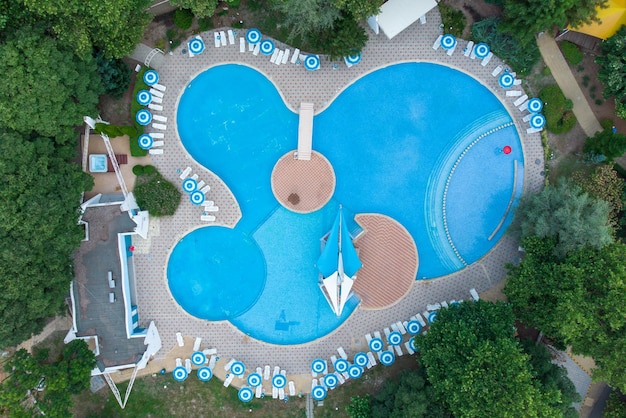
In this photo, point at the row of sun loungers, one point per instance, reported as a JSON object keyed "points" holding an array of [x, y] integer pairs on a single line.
{"points": [[208, 206]]}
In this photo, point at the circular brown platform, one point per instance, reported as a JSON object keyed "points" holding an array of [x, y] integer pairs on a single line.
{"points": [[389, 258], [303, 186]]}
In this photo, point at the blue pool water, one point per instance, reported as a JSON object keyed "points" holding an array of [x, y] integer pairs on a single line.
{"points": [[419, 142]]}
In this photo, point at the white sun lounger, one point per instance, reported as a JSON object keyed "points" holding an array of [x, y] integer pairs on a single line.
{"points": [[229, 378], [276, 371], [444, 304], [157, 143], [342, 353], [521, 100], [196, 344], [188, 365], [156, 93], [496, 71], [208, 203], [159, 87], [524, 106], [230, 363], [217, 39], [527, 117], [474, 294], [513, 93], [486, 60], [157, 135], [200, 184], [313, 383], [294, 57], [451, 50], [195, 177], [159, 126], [401, 327], [281, 393], [468, 49], [111, 297], [155, 151], [377, 334], [433, 307], [179, 339], [242, 45], [533, 130], [437, 43], [517, 82], [341, 379], [279, 57], [156, 99], [368, 338], [211, 208], [372, 360], [212, 360], [259, 389], [256, 49], [231, 37], [250, 47], [159, 118], [387, 331], [292, 388], [207, 218], [266, 373], [419, 319], [409, 347], [274, 392], [209, 351], [274, 55], [155, 106], [205, 189], [179, 362], [223, 37], [423, 19], [398, 349], [285, 57]]}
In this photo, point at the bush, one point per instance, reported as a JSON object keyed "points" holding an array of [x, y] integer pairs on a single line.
{"points": [[156, 195], [149, 169], [115, 75], [138, 170], [453, 20], [556, 109], [345, 37], [571, 52], [183, 19], [205, 24], [611, 145]]}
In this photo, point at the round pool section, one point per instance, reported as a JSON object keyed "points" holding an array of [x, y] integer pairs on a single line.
{"points": [[207, 281]]}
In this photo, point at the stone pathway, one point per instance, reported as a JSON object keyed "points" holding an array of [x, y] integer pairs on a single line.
{"points": [[297, 85], [561, 72]]}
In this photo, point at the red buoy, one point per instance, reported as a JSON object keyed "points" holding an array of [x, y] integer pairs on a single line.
{"points": [[131, 248], [507, 149]]}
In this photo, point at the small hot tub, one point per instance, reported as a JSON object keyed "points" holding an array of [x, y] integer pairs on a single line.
{"points": [[98, 163]]}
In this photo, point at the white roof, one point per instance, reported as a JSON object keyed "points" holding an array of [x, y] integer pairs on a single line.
{"points": [[397, 15]]}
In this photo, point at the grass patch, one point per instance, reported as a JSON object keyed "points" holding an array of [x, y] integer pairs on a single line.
{"points": [[453, 20], [571, 52]]}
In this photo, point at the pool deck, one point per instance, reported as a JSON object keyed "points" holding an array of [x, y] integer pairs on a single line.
{"points": [[320, 87]]}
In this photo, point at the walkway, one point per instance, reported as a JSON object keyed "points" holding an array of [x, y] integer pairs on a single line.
{"points": [[565, 79]]}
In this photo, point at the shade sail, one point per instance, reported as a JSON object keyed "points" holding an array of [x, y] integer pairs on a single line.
{"points": [[351, 261], [611, 19], [327, 263]]}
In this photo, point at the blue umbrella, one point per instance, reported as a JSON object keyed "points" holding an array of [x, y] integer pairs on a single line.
{"points": [[481, 50], [144, 97], [145, 141], [198, 358], [189, 185], [537, 121], [432, 317], [535, 105], [330, 380], [238, 369], [360, 359], [196, 197], [179, 373], [279, 381], [355, 371], [254, 379], [353, 58], [318, 366], [506, 80], [414, 327], [245, 394], [387, 358], [376, 344], [319, 393], [395, 338], [312, 62], [204, 374], [341, 365], [448, 41], [267, 47], [253, 36], [151, 77], [196, 46], [143, 117]]}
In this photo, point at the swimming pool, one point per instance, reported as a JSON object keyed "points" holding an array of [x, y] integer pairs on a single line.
{"points": [[421, 143]]}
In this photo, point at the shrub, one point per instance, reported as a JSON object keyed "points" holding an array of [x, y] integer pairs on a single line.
{"points": [[205, 24], [556, 109], [612, 145], [149, 169], [571, 52], [156, 195], [453, 20], [114, 73], [183, 19], [138, 170], [343, 38], [546, 71]]}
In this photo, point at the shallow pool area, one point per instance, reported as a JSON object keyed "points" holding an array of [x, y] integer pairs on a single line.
{"points": [[421, 143]]}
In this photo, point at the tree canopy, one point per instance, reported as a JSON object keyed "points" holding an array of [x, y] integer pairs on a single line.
{"points": [[604, 183], [612, 71], [567, 214], [40, 192], [45, 87], [579, 301], [476, 366], [199, 8], [606, 142]]}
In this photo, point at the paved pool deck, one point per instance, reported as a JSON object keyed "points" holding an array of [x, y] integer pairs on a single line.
{"points": [[320, 87]]}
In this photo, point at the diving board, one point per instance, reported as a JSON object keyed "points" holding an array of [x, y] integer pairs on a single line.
{"points": [[305, 132]]}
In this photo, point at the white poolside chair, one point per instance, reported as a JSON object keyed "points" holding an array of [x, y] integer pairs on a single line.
{"points": [[242, 45], [179, 362], [281, 393], [156, 93], [111, 297], [398, 349], [468, 49], [513, 93], [259, 389], [223, 37], [486, 60], [208, 203], [159, 118], [155, 107], [256, 49], [341, 379], [523, 106], [433, 307], [409, 347], [229, 379], [423, 19], [517, 82], [200, 184], [527, 117], [159, 87], [188, 365], [279, 57], [155, 151], [401, 328], [196, 344], [156, 99], [211, 209], [250, 47], [496, 71], [533, 130], [274, 392], [159, 126], [157, 135], [444, 304], [474, 294], [292, 388], [285, 56], [195, 177], [437, 43], [342, 353], [377, 335], [520, 101], [217, 40], [451, 50], [276, 371], [294, 57], [209, 351], [274, 55], [207, 218], [419, 319], [230, 363], [231, 37], [212, 361], [205, 189], [179, 339], [368, 338], [387, 331], [266, 373], [157, 143], [372, 360]]}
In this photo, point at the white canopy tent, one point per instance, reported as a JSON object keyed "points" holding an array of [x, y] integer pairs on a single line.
{"points": [[397, 15]]}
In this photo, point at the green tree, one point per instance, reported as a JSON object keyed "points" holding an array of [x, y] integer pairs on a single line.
{"points": [[360, 9], [40, 190], [45, 87], [359, 407], [306, 17], [604, 183], [615, 406], [115, 75], [199, 8], [155, 194], [477, 367], [567, 214], [578, 301], [114, 26], [611, 145], [612, 71], [342, 39]]}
